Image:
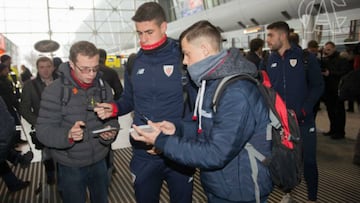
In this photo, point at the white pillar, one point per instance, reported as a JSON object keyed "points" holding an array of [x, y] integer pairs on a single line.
{"points": [[308, 26]]}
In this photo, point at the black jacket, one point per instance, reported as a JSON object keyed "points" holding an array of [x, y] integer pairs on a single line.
{"points": [[7, 126], [30, 99], [337, 67], [253, 57], [112, 78]]}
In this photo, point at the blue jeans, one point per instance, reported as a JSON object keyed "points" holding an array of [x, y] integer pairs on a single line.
{"points": [[73, 182]]}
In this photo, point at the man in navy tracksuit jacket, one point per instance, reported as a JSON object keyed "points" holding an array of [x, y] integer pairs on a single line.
{"points": [[220, 148], [154, 90], [300, 87]]}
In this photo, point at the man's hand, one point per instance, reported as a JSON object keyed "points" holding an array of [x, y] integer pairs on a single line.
{"points": [[76, 133], [154, 151], [103, 110], [108, 135], [144, 136], [326, 73], [165, 127]]}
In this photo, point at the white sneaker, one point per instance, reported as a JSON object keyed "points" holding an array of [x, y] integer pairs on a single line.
{"points": [[287, 199]]}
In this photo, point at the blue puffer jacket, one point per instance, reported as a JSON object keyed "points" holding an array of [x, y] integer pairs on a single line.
{"points": [[218, 151]]}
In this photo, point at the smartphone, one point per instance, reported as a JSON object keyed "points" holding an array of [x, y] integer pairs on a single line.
{"points": [[106, 129], [146, 128]]}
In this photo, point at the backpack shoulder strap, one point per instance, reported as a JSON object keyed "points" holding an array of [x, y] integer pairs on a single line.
{"points": [[305, 58], [130, 63], [65, 90], [227, 81], [102, 90]]}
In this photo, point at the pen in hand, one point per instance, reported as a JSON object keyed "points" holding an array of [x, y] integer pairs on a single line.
{"points": [[143, 117]]}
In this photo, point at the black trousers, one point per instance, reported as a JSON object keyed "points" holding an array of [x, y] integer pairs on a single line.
{"points": [[337, 115]]}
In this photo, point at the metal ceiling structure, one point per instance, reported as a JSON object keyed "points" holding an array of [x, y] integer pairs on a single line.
{"points": [[106, 23]]}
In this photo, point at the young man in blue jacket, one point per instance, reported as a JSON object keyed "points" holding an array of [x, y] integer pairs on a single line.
{"points": [[300, 86], [154, 90], [241, 118]]}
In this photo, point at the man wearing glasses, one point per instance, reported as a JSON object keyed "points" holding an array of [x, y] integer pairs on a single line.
{"points": [[67, 129]]}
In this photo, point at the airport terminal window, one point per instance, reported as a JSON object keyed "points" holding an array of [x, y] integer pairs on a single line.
{"points": [[177, 9]]}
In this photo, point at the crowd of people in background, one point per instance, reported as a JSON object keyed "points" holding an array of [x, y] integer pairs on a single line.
{"points": [[154, 89]]}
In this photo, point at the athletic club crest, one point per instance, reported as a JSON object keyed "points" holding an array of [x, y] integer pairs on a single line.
{"points": [[168, 70], [293, 62]]}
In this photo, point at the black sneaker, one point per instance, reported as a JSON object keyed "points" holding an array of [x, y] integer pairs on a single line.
{"points": [[25, 159], [19, 186]]}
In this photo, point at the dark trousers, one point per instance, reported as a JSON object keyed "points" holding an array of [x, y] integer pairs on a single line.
{"points": [[73, 183], [11, 181], [4, 168], [337, 115], [148, 177], [311, 176]]}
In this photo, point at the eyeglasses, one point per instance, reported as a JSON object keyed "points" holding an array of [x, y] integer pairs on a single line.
{"points": [[87, 69]]}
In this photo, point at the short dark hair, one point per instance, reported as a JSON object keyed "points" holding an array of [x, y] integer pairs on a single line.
{"points": [[313, 44], [102, 56], [279, 25], [255, 44], [4, 58], [330, 43], [294, 38], [84, 48], [202, 28], [150, 11], [57, 61], [43, 59]]}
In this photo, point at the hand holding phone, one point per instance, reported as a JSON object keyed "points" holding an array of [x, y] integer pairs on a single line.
{"points": [[106, 129], [146, 128]]}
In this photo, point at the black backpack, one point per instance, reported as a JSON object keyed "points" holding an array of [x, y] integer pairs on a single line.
{"points": [[285, 162]]}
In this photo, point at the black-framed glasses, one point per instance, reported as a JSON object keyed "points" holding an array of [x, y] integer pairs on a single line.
{"points": [[94, 69]]}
